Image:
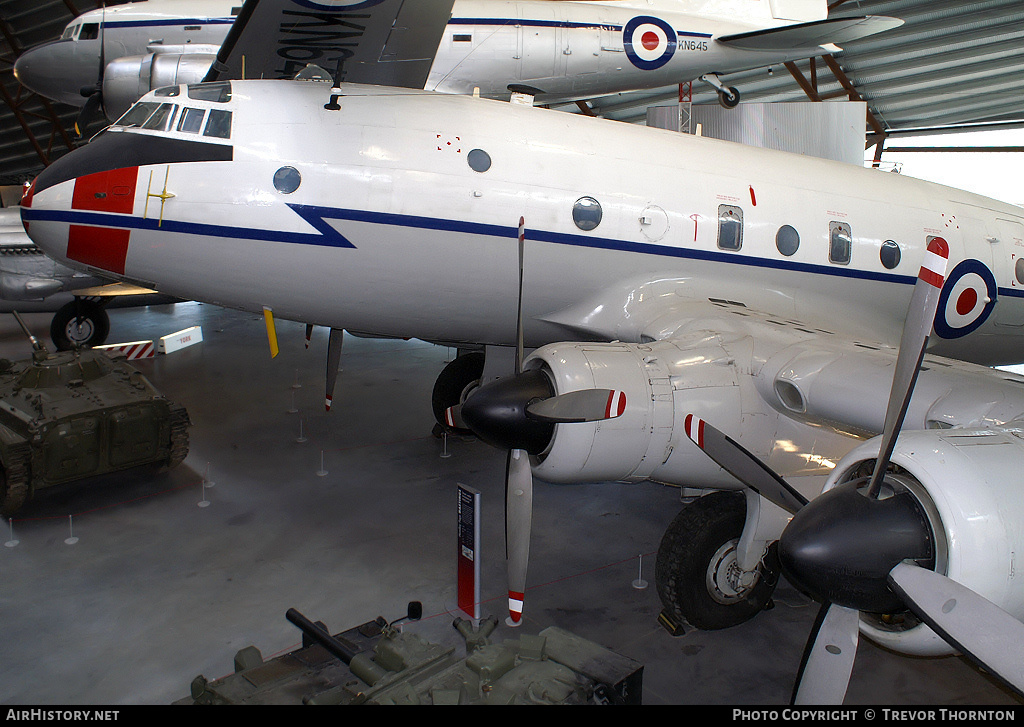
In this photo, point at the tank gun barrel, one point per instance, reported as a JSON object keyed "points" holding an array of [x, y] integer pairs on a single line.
{"points": [[36, 345], [321, 636]]}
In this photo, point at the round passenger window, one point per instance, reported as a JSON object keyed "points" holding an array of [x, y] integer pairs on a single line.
{"points": [[787, 239], [1018, 270], [890, 254], [287, 180], [479, 160], [586, 213]]}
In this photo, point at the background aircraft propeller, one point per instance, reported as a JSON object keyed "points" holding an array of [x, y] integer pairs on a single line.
{"points": [[94, 94], [518, 413], [865, 545]]}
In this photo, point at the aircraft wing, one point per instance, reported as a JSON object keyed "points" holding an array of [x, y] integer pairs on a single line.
{"points": [[809, 35], [809, 371], [383, 42]]}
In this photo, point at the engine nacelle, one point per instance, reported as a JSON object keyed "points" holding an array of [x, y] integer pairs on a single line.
{"points": [[663, 381], [968, 481], [128, 79]]}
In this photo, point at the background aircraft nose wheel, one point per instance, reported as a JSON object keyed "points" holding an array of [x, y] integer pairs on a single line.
{"points": [[730, 98], [696, 572], [81, 323], [453, 385]]}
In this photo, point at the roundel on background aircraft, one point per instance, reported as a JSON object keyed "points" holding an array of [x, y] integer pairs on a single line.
{"points": [[650, 42], [967, 299]]}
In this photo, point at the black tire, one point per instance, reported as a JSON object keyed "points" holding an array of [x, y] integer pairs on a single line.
{"points": [[80, 322], [692, 566], [730, 98], [454, 382]]}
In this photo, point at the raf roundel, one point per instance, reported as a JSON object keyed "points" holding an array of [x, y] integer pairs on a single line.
{"points": [[649, 42], [966, 301]]}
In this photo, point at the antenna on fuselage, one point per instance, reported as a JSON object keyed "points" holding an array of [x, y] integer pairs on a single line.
{"points": [[339, 77]]}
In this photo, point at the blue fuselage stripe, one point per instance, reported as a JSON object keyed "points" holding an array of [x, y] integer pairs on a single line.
{"points": [[179, 22], [327, 236]]}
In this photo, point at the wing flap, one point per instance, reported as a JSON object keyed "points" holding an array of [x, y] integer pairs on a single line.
{"points": [[809, 35], [383, 42]]}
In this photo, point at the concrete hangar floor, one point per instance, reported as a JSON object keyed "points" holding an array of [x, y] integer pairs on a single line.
{"points": [[158, 590]]}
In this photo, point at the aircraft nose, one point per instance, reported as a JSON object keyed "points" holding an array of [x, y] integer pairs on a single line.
{"points": [[80, 209], [54, 71]]}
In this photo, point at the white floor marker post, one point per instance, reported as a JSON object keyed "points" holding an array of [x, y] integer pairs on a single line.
{"points": [[296, 385], [71, 539], [294, 409], [640, 583], [206, 477], [204, 502], [445, 454], [300, 438], [321, 472], [13, 541]]}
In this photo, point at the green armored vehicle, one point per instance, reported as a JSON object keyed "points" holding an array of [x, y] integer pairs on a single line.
{"points": [[376, 663], [75, 414]]}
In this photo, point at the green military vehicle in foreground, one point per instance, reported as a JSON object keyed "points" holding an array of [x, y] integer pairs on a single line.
{"points": [[76, 414]]}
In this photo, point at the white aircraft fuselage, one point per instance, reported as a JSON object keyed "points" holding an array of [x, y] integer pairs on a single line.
{"points": [[563, 50], [391, 231]]}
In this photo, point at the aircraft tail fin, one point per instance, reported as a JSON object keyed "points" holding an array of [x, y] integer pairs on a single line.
{"points": [[809, 35]]}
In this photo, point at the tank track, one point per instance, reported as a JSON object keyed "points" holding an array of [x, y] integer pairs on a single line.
{"points": [[17, 486], [179, 437]]}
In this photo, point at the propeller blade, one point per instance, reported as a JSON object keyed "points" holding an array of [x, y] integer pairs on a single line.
{"points": [[453, 417], [920, 317], [743, 465], [518, 523], [87, 114], [828, 658], [333, 361], [586, 405], [963, 618], [519, 313]]}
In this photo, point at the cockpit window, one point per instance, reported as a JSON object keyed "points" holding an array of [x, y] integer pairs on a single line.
{"points": [[219, 92], [162, 118], [69, 32], [219, 125], [191, 120], [137, 114], [90, 31]]}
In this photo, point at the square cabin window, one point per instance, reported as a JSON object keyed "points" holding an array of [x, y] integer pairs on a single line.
{"points": [[730, 227], [840, 243]]}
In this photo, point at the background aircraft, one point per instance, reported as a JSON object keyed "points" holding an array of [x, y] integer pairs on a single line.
{"points": [[763, 292], [32, 282], [558, 51]]}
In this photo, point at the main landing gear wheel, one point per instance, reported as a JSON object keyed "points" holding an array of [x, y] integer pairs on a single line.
{"points": [[729, 98], [79, 323], [698, 578], [454, 384]]}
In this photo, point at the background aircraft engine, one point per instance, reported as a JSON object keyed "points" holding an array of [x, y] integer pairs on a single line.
{"points": [[127, 79], [966, 483], [647, 440]]}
